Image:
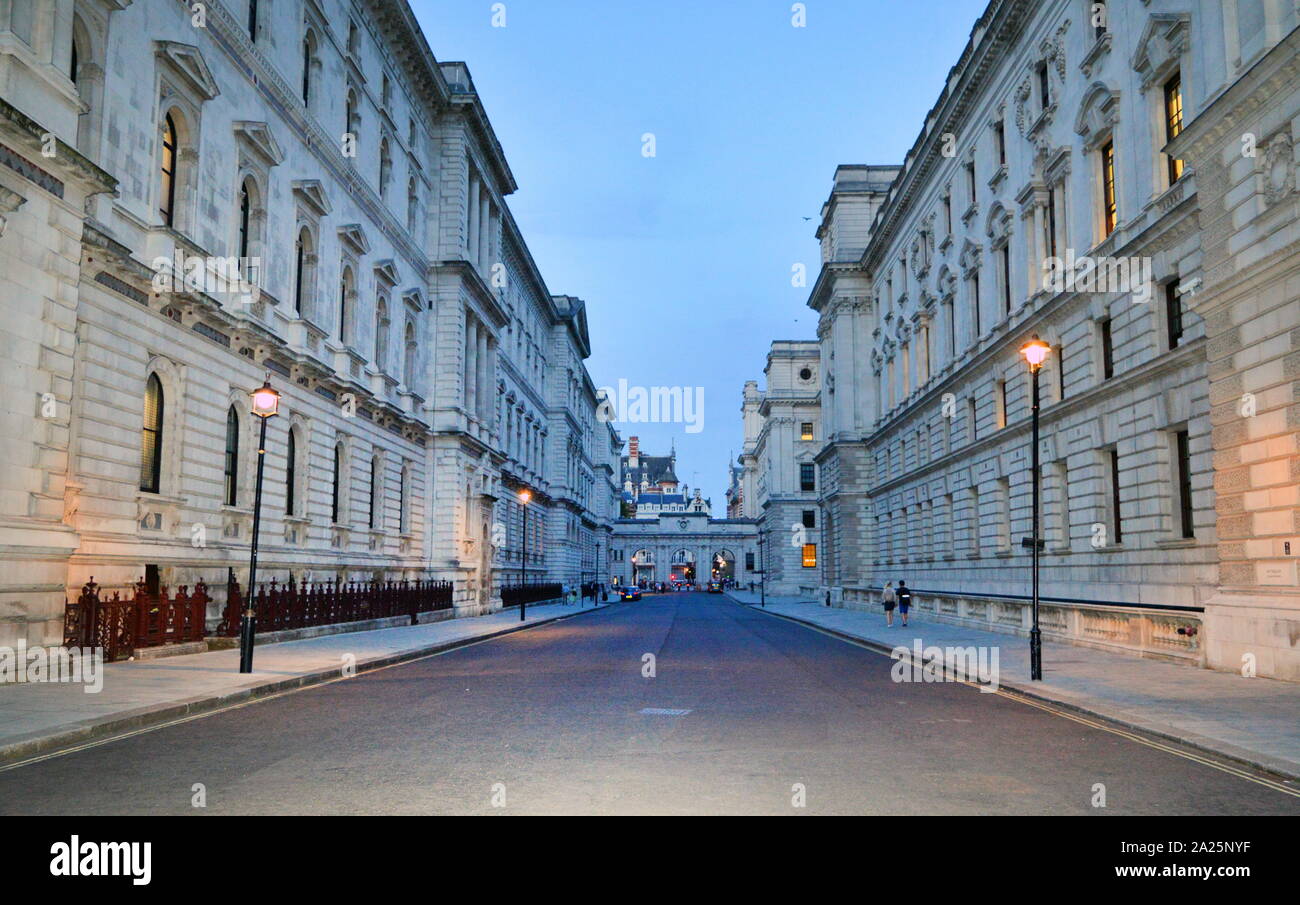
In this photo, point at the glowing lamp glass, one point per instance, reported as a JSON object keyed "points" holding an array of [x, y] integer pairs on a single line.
{"points": [[1035, 352], [525, 496], [266, 402]]}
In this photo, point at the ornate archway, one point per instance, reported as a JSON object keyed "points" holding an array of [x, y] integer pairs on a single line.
{"points": [[723, 566], [643, 566], [683, 566]]}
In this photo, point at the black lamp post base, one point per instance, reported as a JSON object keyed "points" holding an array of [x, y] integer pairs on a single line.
{"points": [[247, 629], [1035, 654]]}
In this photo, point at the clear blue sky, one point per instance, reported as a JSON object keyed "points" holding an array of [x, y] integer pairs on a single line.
{"points": [[685, 259]]}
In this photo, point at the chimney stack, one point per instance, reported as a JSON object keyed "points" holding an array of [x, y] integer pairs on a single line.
{"points": [[633, 452]]}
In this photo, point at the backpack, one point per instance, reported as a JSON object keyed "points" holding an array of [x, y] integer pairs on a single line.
{"points": [[888, 596]]}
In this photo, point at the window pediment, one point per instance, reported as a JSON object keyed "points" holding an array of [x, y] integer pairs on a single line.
{"points": [[1163, 41], [312, 194], [1098, 115], [354, 238], [256, 138], [187, 61]]}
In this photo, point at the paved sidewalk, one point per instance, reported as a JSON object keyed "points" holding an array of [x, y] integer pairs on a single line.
{"points": [[40, 717], [1256, 721]]}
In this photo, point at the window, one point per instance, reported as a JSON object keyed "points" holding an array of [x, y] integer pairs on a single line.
{"points": [[947, 213], [1117, 528], [231, 495], [1174, 122], [151, 437], [807, 477], [1058, 355], [970, 419], [352, 119], [167, 192], [385, 169], [975, 304], [1000, 137], [382, 324], [810, 518], [1005, 255], [74, 65], [300, 255], [1002, 404], [308, 58], [291, 474], [1051, 224], [1183, 467], [412, 204], [374, 492], [245, 214], [252, 20], [404, 494], [408, 362], [1107, 350], [1044, 87], [806, 430], [1174, 313], [810, 556], [336, 499], [1110, 212], [345, 305], [749, 562], [970, 179]]}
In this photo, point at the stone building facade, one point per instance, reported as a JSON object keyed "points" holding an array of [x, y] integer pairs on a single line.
{"points": [[1157, 139], [782, 438], [195, 200]]}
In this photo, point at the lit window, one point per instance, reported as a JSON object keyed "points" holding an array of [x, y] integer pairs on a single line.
{"points": [[151, 437], [1109, 210], [806, 431], [167, 195], [810, 556], [1174, 122]]}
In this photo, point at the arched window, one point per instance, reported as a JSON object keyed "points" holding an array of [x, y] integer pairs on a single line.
{"points": [[74, 63], [245, 219], [299, 254], [374, 492], [151, 437], [231, 496], [408, 361], [308, 55], [385, 168], [291, 474], [350, 111], [345, 305], [403, 516], [381, 333], [336, 499], [412, 204], [167, 193]]}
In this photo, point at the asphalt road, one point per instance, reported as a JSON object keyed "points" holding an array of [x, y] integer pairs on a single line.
{"points": [[553, 720]]}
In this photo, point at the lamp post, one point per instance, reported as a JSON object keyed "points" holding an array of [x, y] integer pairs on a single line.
{"points": [[524, 497], [762, 571], [1035, 352], [266, 405]]}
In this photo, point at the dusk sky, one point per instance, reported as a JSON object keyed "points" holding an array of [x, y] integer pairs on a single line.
{"points": [[684, 259]]}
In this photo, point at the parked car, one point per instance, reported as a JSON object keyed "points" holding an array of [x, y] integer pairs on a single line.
{"points": [[632, 593]]}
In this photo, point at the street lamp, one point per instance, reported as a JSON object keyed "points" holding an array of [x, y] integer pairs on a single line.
{"points": [[762, 570], [266, 405], [1035, 352], [525, 496]]}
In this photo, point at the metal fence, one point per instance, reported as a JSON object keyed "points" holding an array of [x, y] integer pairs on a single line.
{"points": [[146, 619], [291, 606], [513, 595]]}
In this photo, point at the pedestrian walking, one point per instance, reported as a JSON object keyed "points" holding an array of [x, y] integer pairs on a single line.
{"points": [[889, 599], [904, 599]]}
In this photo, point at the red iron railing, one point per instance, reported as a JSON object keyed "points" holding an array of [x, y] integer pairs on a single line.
{"points": [[147, 619], [292, 606]]}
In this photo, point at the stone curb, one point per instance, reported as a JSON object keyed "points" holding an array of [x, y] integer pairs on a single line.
{"points": [[1242, 757], [12, 753]]}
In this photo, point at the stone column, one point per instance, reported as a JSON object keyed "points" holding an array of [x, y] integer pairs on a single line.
{"points": [[485, 233], [481, 378]]}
